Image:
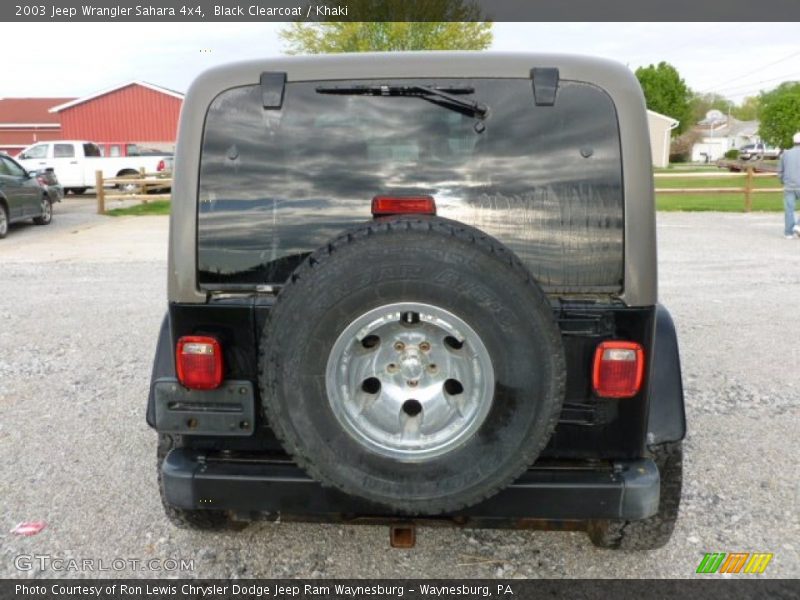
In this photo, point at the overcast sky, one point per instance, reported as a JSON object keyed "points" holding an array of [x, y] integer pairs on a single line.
{"points": [[74, 59]]}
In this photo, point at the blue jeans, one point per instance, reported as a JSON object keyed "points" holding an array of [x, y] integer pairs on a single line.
{"points": [[790, 198]]}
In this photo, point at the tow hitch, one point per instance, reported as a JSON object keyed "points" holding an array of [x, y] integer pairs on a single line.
{"points": [[403, 535]]}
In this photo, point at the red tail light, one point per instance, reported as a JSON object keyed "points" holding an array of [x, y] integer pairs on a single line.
{"points": [[383, 206], [618, 369], [199, 362], [161, 165]]}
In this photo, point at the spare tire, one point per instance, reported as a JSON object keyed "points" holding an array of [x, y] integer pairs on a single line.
{"points": [[413, 362]]}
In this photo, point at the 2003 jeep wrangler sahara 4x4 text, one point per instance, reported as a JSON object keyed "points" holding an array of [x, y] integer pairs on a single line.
{"points": [[406, 287]]}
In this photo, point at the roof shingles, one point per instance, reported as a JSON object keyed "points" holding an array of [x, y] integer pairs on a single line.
{"points": [[30, 110]]}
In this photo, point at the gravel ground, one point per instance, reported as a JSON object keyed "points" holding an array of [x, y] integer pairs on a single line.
{"points": [[81, 304]]}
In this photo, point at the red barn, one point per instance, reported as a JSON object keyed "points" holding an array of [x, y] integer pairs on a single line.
{"points": [[136, 111], [25, 121]]}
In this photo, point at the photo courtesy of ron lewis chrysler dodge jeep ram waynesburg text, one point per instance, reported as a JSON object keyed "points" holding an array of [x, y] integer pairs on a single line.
{"points": [[406, 287]]}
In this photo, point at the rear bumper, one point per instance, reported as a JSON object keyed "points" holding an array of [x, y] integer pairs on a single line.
{"points": [[624, 490]]}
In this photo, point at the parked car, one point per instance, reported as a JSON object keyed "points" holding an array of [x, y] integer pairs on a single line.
{"points": [[758, 151], [413, 287], [47, 179], [21, 196], [75, 163]]}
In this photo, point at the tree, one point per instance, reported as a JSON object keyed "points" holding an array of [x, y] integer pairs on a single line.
{"points": [[665, 92], [439, 25], [700, 104], [779, 114], [680, 149], [748, 109]]}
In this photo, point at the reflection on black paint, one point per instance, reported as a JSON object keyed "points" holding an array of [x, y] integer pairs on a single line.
{"points": [[275, 185]]}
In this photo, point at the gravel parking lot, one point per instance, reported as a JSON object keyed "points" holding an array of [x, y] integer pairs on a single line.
{"points": [[80, 307]]}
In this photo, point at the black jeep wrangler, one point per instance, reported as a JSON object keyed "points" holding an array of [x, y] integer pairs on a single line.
{"points": [[411, 287]]}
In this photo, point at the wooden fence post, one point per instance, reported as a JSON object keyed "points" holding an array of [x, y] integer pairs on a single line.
{"points": [[100, 192], [748, 190], [143, 187]]}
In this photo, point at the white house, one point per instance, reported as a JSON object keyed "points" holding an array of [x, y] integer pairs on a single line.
{"points": [[720, 133], [660, 127]]}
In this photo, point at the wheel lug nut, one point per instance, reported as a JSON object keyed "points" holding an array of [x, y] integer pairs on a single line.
{"points": [[399, 346], [432, 368], [391, 367], [413, 383], [425, 346]]}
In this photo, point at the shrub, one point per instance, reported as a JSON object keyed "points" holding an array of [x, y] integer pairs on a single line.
{"points": [[683, 157]]}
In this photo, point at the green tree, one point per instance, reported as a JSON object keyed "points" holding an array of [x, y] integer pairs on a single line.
{"points": [[665, 92], [748, 109], [439, 25], [702, 103], [779, 114]]}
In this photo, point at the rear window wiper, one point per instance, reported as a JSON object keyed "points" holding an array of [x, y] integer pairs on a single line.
{"points": [[443, 96]]}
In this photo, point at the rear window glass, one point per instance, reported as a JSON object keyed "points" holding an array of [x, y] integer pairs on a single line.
{"points": [[91, 150], [13, 168], [545, 180]]}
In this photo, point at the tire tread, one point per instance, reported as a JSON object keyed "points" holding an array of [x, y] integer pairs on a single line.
{"points": [[200, 520], [653, 532]]}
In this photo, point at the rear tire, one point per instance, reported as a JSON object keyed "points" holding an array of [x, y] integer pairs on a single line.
{"points": [[76, 191], [3, 221], [653, 532], [201, 520], [128, 188], [47, 213]]}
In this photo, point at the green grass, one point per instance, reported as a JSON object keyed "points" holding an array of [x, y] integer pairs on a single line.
{"points": [[706, 182], [687, 169], [723, 202], [718, 202], [157, 207], [707, 168]]}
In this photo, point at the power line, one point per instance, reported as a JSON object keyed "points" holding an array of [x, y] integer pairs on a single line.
{"points": [[759, 69], [744, 93], [741, 95], [756, 83]]}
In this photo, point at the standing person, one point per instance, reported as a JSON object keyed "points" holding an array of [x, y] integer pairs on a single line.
{"points": [[789, 173]]}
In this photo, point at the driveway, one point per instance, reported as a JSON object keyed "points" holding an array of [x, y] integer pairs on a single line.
{"points": [[81, 304]]}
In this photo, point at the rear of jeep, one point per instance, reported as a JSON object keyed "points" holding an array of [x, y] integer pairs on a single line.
{"points": [[418, 287]]}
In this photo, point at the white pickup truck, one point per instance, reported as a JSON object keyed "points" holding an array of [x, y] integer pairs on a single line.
{"points": [[75, 163], [759, 151]]}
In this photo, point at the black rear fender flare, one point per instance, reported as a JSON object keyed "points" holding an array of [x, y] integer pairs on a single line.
{"points": [[163, 366], [666, 420]]}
